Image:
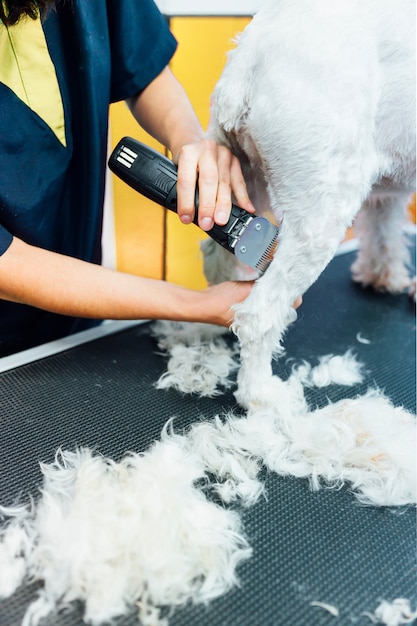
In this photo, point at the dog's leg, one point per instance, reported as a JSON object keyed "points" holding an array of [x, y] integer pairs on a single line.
{"points": [[383, 254], [316, 190], [317, 182], [305, 248]]}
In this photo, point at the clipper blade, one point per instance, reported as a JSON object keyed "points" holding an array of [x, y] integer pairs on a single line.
{"points": [[257, 244], [268, 255]]}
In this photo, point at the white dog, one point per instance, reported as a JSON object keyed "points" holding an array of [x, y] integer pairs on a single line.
{"points": [[317, 101]]}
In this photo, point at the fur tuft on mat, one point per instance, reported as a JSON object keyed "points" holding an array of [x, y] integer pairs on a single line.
{"points": [[115, 535]]}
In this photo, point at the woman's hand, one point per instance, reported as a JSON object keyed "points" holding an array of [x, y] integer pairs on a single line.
{"points": [[220, 299], [164, 111], [219, 175]]}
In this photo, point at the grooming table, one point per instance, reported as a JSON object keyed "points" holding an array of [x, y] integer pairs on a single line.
{"points": [[307, 546]]}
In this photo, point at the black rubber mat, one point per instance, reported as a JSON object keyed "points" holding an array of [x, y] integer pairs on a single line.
{"points": [[308, 546]]}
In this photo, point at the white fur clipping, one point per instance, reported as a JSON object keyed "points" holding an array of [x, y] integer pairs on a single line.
{"points": [[199, 359], [364, 441], [15, 544], [141, 532], [390, 614], [393, 613], [332, 369], [118, 534], [361, 339], [333, 610]]}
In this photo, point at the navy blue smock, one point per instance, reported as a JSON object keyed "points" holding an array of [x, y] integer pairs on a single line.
{"points": [[51, 195]]}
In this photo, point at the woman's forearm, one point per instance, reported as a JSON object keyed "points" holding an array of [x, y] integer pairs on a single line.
{"points": [[68, 286]]}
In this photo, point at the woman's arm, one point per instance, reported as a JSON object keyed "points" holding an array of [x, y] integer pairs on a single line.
{"points": [[68, 286]]}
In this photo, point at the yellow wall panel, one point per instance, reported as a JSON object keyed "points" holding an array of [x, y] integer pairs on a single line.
{"points": [[138, 222], [201, 55], [184, 261]]}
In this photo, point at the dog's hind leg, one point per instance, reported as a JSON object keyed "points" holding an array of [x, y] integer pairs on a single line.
{"points": [[318, 202], [383, 253]]}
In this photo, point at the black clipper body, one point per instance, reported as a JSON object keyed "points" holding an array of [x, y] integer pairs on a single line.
{"points": [[252, 239]]}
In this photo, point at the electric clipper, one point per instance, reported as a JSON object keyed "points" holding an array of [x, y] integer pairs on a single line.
{"points": [[251, 238]]}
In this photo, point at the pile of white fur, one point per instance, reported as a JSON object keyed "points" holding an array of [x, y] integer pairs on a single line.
{"points": [[118, 534], [200, 360], [142, 532]]}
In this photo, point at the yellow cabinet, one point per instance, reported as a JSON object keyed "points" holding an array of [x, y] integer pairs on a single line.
{"points": [[149, 240]]}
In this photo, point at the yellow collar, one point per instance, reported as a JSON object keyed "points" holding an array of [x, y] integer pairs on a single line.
{"points": [[27, 69]]}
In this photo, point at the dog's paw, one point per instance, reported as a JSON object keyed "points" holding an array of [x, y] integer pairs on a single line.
{"points": [[386, 279]]}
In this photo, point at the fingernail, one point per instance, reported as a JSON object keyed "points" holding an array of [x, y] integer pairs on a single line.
{"points": [[221, 216], [206, 223], [185, 219]]}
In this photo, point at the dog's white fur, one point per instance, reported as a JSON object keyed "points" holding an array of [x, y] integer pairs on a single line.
{"points": [[317, 101], [113, 535], [393, 613], [363, 441], [200, 361]]}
